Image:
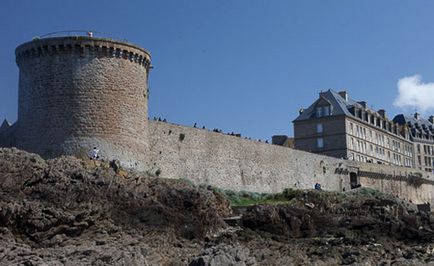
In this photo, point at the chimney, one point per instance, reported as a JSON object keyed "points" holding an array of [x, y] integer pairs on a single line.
{"points": [[300, 111], [382, 113], [344, 95], [431, 118], [417, 115], [278, 139]]}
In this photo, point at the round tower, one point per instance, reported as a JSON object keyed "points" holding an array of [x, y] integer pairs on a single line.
{"points": [[76, 93]]}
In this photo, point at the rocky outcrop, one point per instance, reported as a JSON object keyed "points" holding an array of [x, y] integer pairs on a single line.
{"points": [[83, 212], [317, 214], [68, 211]]}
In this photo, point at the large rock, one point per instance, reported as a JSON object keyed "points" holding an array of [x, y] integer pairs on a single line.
{"points": [[71, 211]]}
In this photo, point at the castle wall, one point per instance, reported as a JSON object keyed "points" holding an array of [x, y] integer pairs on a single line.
{"points": [[407, 183], [79, 92], [419, 195], [235, 163]]}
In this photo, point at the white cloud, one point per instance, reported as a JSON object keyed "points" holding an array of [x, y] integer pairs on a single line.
{"points": [[413, 93]]}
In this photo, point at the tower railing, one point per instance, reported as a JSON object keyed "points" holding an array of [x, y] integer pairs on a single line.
{"points": [[76, 33]]}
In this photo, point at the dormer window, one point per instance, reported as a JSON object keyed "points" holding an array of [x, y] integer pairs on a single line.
{"points": [[323, 107], [321, 111], [318, 112], [326, 110]]}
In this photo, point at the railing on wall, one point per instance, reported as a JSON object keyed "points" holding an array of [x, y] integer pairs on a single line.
{"points": [[74, 33]]}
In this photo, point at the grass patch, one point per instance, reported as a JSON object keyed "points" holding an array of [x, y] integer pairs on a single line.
{"points": [[186, 181], [246, 198], [367, 192], [320, 197]]}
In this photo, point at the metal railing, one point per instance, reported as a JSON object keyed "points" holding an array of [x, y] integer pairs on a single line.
{"points": [[76, 33]]}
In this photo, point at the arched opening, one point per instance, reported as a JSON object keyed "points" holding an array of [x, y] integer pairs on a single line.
{"points": [[354, 182], [322, 167]]}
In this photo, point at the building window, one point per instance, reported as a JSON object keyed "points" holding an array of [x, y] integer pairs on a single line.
{"points": [[326, 110], [320, 143], [321, 111], [319, 128], [318, 111]]}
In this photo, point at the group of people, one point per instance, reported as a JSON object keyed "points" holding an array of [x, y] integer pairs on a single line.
{"points": [[159, 119], [230, 134]]}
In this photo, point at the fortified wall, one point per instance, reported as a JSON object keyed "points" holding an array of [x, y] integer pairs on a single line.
{"points": [[230, 162], [79, 92]]}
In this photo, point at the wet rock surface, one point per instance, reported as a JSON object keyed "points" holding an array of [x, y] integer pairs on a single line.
{"points": [[68, 211]]}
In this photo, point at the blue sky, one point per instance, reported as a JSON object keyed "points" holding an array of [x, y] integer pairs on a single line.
{"points": [[244, 65]]}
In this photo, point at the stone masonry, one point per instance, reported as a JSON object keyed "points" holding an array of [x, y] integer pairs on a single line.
{"points": [[79, 92], [231, 162]]}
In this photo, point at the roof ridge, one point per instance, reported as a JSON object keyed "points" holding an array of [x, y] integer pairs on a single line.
{"points": [[5, 125]]}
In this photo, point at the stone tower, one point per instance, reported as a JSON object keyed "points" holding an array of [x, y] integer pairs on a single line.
{"points": [[76, 93]]}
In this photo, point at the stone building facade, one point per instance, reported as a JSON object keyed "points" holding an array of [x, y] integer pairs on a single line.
{"points": [[422, 135], [338, 126]]}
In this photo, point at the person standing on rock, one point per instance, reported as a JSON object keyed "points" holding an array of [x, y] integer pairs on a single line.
{"points": [[95, 153]]}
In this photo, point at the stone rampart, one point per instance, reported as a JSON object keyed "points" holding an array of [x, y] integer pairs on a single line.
{"points": [[235, 163], [232, 162], [407, 183]]}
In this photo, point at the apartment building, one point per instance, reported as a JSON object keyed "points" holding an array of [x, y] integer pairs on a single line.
{"points": [[422, 135], [338, 126]]}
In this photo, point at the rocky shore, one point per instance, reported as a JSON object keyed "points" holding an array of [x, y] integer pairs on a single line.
{"points": [[69, 211]]}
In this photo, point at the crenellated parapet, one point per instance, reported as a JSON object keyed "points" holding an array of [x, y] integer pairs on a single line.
{"points": [[83, 47]]}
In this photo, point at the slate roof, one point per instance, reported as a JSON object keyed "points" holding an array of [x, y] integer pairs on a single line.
{"points": [[339, 106], [5, 125], [416, 125]]}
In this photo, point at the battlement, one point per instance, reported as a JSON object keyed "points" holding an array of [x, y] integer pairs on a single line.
{"points": [[83, 46]]}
